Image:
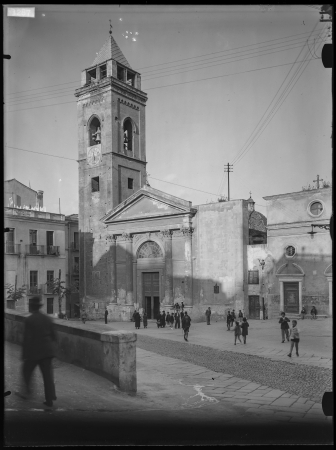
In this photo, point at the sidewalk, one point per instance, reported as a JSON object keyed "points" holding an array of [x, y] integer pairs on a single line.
{"points": [[264, 338], [171, 394]]}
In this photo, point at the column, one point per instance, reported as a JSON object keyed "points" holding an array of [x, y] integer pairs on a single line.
{"points": [[330, 295], [168, 287], [300, 296], [282, 300], [113, 269], [187, 232], [129, 268]]}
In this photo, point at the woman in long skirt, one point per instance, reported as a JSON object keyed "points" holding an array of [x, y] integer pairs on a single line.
{"points": [[137, 320]]}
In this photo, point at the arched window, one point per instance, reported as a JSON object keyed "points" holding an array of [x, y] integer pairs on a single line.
{"points": [[94, 132], [150, 249], [128, 135]]}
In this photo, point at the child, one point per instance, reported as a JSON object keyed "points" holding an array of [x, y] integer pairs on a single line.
{"points": [[245, 326], [240, 316], [295, 338], [284, 327], [237, 332]]}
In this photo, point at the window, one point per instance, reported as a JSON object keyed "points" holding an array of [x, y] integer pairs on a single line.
{"points": [[50, 306], [10, 241], [103, 71], [50, 279], [253, 277], [290, 250], [120, 73], [76, 265], [18, 200], [316, 208], [50, 238], [128, 135], [76, 240], [91, 75], [33, 282], [130, 183], [95, 184], [32, 237], [130, 77], [94, 132], [150, 249]]}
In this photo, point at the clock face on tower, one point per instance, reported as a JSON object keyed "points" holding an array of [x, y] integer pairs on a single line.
{"points": [[94, 156]]}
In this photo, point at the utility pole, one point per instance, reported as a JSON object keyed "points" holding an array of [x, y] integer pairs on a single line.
{"points": [[228, 169]]}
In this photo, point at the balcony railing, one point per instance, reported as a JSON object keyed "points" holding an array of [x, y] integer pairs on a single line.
{"points": [[13, 249], [53, 250], [32, 290], [35, 249], [74, 245]]}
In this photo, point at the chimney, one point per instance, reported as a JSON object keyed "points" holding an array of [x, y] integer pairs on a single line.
{"points": [[40, 199]]}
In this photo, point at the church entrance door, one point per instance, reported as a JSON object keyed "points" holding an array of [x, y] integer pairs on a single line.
{"points": [[151, 294], [254, 307], [291, 297]]}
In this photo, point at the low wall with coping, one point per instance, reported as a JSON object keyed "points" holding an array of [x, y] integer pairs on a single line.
{"points": [[111, 354]]}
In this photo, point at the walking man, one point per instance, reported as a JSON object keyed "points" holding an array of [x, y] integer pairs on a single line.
{"points": [[186, 325], [177, 320], [208, 314], [284, 327], [106, 314], [163, 316], [39, 342], [228, 320]]}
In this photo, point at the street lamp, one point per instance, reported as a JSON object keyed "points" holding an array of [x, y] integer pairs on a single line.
{"points": [[262, 265]]}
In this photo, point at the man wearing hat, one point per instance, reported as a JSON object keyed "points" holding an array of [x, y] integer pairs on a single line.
{"points": [[39, 342]]}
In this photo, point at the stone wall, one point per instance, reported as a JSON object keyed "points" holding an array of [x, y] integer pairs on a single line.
{"points": [[111, 354]]}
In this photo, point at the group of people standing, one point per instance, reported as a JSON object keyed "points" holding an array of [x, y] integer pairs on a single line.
{"points": [[291, 334], [170, 319], [240, 326]]}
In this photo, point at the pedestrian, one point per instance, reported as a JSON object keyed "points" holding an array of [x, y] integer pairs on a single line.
{"points": [[181, 315], [177, 320], [163, 317], [244, 327], [186, 321], [171, 320], [313, 312], [284, 327], [233, 317], [144, 318], [182, 306], [106, 314], [228, 320], [168, 318], [177, 307], [237, 332], [240, 316], [133, 316], [84, 316], [158, 320], [208, 314], [38, 349], [303, 312], [137, 320], [295, 338]]}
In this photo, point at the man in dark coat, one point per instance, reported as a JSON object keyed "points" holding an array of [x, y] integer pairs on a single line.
{"points": [[284, 327], [208, 314], [163, 317], [106, 314], [39, 347], [158, 320], [181, 315], [137, 320], [186, 321], [144, 318], [228, 320], [171, 319], [177, 320], [168, 318]]}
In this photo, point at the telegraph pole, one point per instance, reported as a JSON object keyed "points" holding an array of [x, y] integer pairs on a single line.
{"points": [[228, 168]]}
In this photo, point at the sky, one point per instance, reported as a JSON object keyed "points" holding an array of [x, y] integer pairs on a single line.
{"points": [[243, 85]]}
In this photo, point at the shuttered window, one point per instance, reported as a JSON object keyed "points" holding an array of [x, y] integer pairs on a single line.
{"points": [[253, 277]]}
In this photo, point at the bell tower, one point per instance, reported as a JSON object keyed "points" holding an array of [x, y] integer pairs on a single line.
{"points": [[111, 151]]}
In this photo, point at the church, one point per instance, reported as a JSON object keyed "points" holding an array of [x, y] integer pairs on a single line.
{"points": [[141, 248]]}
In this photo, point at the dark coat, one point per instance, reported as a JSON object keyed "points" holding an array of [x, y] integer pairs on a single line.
{"points": [[186, 322], [284, 323], [144, 318], [181, 315], [137, 320], [228, 318], [39, 338], [106, 313], [208, 312], [171, 318], [244, 327], [177, 317]]}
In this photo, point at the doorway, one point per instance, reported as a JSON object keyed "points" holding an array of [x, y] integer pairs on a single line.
{"points": [[254, 307], [291, 297], [151, 293]]}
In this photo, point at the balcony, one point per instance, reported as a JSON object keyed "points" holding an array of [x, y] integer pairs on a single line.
{"points": [[75, 269], [33, 290], [12, 249], [74, 245], [35, 249], [53, 250]]}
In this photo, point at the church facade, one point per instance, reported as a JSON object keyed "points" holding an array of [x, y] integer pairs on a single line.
{"points": [[141, 248]]}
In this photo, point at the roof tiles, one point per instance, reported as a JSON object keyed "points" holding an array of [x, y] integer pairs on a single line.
{"points": [[110, 50]]}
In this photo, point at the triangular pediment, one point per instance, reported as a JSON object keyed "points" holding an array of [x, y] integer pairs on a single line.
{"points": [[148, 203], [290, 269]]}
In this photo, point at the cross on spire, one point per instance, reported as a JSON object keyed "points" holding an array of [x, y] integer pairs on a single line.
{"points": [[317, 181], [250, 194], [110, 28]]}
